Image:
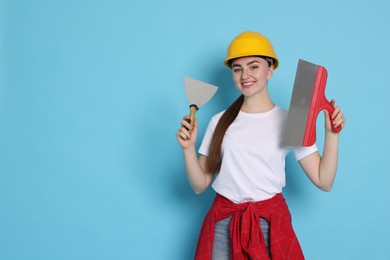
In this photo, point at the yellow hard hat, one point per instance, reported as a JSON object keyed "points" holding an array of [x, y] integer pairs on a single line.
{"points": [[250, 44]]}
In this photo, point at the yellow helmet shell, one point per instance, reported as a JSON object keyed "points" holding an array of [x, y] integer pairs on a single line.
{"points": [[250, 44]]}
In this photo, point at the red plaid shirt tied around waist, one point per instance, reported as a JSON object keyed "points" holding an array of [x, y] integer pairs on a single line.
{"points": [[247, 240]]}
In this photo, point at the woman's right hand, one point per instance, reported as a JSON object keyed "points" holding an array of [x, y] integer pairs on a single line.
{"points": [[186, 135]]}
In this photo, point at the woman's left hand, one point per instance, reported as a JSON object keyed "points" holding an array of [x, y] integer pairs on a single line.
{"points": [[337, 118]]}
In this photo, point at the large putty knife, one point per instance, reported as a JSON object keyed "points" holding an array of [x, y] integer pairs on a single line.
{"points": [[198, 94], [307, 100]]}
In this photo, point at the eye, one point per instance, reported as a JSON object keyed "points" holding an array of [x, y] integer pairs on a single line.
{"points": [[236, 69], [254, 67]]}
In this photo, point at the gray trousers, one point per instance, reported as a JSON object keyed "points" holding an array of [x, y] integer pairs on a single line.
{"points": [[221, 244]]}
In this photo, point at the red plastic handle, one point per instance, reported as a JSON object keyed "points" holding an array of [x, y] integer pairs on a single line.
{"points": [[318, 103], [328, 106]]}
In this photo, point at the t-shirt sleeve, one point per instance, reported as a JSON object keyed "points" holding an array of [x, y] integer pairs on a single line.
{"points": [[205, 145], [301, 152]]}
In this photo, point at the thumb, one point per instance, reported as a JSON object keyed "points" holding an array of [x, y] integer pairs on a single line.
{"points": [[326, 113], [195, 127]]}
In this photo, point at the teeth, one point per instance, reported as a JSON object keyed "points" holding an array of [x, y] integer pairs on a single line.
{"points": [[247, 83]]}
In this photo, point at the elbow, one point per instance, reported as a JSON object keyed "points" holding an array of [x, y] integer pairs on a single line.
{"points": [[198, 191], [326, 188], [324, 185]]}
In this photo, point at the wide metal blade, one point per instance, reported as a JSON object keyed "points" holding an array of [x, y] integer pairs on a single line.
{"points": [[300, 103], [198, 92]]}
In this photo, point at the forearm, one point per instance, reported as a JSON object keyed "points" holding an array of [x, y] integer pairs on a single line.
{"points": [[321, 170], [329, 161], [197, 176]]}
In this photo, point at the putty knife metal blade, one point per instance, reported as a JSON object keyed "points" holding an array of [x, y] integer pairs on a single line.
{"points": [[308, 99], [198, 94]]}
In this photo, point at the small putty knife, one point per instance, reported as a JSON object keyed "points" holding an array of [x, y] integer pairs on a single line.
{"points": [[198, 94], [307, 100]]}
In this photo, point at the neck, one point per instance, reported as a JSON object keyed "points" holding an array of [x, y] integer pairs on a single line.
{"points": [[257, 104]]}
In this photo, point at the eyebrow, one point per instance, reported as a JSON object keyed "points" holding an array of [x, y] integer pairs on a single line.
{"points": [[249, 63]]}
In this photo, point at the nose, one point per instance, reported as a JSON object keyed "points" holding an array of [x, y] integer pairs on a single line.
{"points": [[245, 73]]}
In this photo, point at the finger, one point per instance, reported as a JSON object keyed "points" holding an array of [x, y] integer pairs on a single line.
{"points": [[180, 135], [340, 119], [336, 112], [196, 123], [339, 116], [186, 124], [326, 112], [185, 127], [338, 123], [186, 118], [184, 134]]}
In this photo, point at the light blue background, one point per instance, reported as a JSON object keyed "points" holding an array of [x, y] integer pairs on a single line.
{"points": [[92, 94]]}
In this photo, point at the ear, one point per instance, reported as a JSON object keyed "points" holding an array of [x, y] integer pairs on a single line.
{"points": [[270, 71]]}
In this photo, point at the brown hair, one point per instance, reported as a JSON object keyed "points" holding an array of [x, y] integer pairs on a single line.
{"points": [[214, 160]]}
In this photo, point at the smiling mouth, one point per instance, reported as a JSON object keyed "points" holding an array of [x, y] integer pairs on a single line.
{"points": [[247, 84]]}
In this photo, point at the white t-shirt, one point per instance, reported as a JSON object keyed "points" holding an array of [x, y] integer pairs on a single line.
{"points": [[253, 164]]}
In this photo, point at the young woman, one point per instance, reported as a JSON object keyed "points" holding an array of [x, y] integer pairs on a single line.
{"points": [[249, 218]]}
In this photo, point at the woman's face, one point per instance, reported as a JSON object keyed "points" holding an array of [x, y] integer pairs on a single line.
{"points": [[250, 75]]}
